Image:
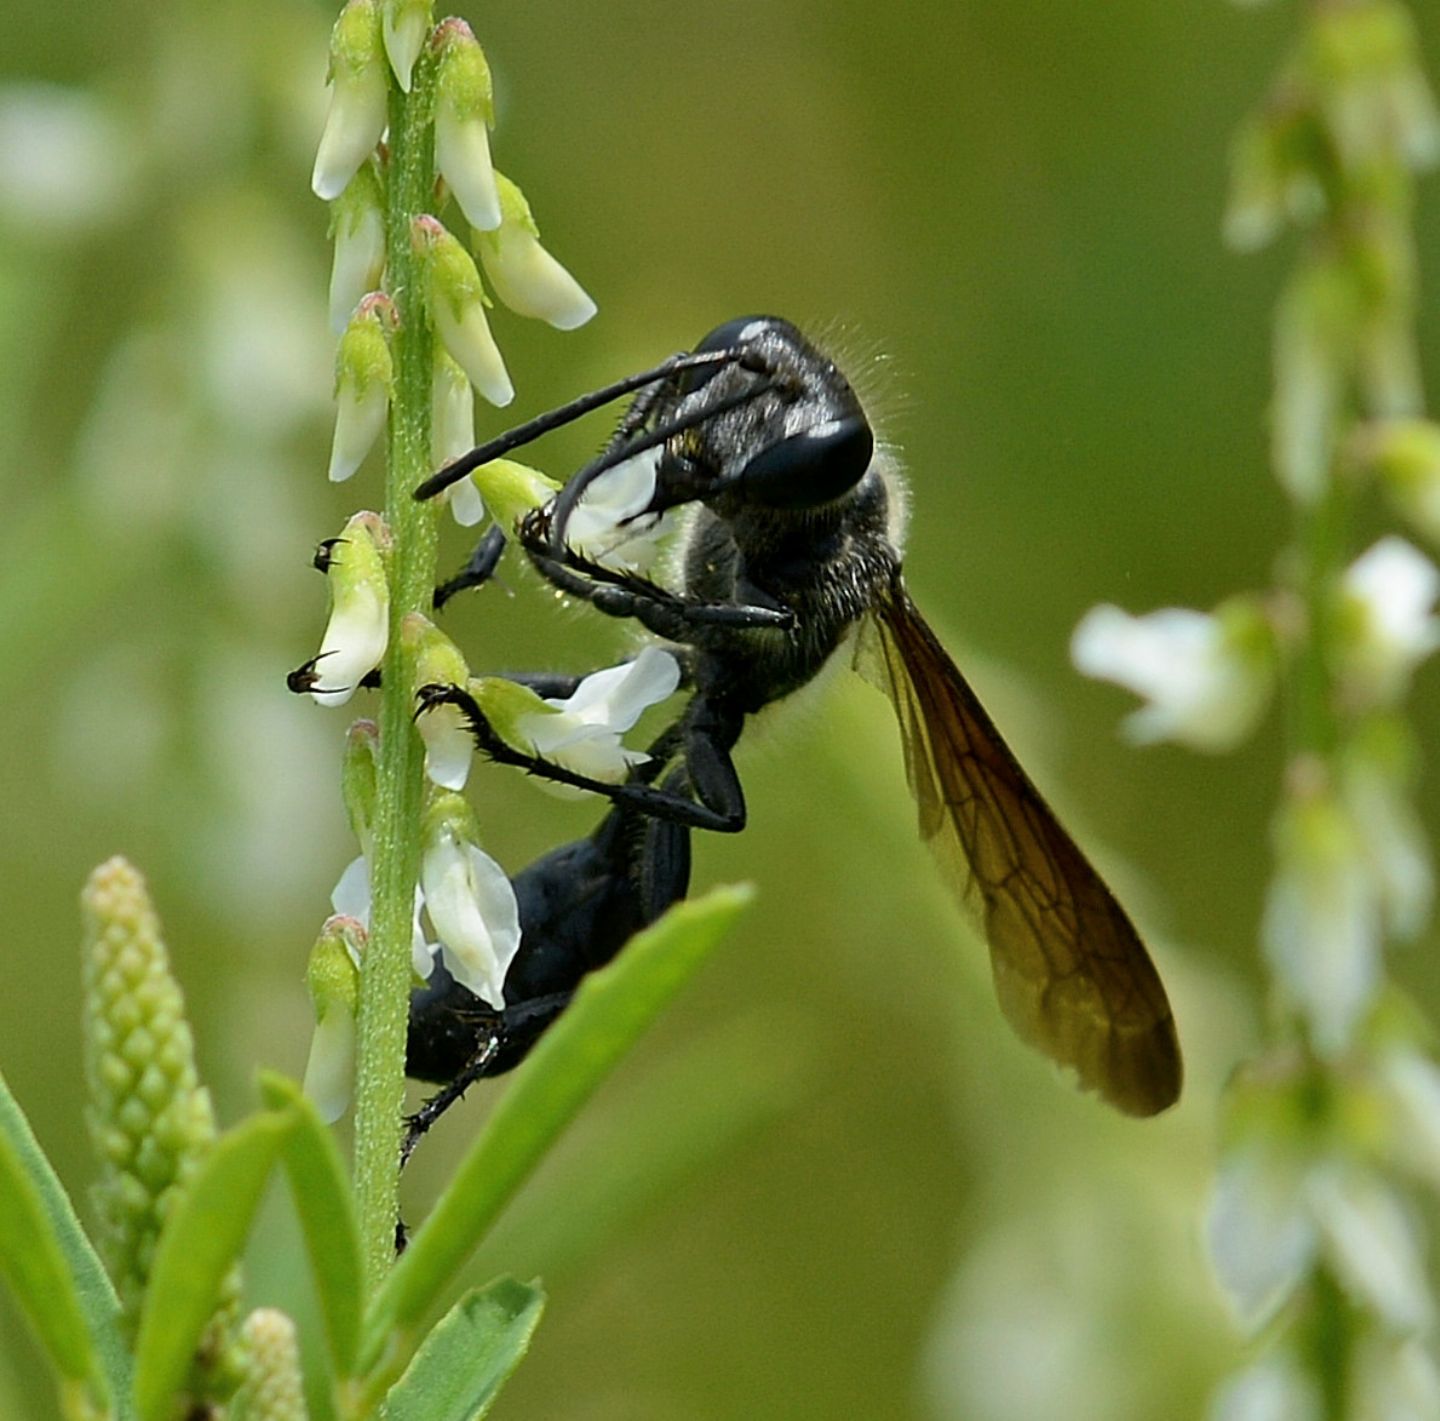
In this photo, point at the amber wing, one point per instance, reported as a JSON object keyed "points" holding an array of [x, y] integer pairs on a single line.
{"points": [[1071, 973]]}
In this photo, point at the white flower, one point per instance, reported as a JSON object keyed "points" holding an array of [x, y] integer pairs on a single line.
{"points": [[1207, 678], [359, 231], [1396, 847], [525, 276], [1412, 1083], [405, 24], [332, 977], [464, 111], [452, 426], [359, 95], [359, 627], [582, 731], [472, 906], [1373, 1245], [609, 525], [1261, 1238], [364, 374], [1322, 922], [443, 728], [1389, 594], [457, 307], [352, 898], [1396, 1381]]}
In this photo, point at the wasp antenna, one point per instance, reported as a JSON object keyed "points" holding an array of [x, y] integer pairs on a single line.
{"points": [[574, 491], [522, 434]]}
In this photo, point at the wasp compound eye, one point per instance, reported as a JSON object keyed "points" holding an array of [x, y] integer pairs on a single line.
{"points": [[810, 469]]}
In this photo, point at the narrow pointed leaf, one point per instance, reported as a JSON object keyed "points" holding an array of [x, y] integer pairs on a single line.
{"points": [[469, 1354], [201, 1240], [55, 1274], [611, 1009], [327, 1217]]}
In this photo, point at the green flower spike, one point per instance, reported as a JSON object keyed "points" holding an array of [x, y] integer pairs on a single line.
{"points": [[151, 1122], [272, 1389]]}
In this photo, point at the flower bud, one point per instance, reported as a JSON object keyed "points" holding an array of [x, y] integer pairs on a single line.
{"points": [[470, 901], [364, 376], [151, 1122], [438, 662], [456, 300], [512, 490], [357, 778], [359, 96], [452, 433], [464, 114], [357, 224], [333, 979], [525, 276], [359, 628], [404, 25]]}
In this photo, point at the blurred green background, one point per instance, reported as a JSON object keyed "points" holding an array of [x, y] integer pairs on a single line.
{"points": [[831, 1184]]}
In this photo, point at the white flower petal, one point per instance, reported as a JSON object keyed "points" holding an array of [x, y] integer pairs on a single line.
{"points": [[472, 905], [462, 154], [351, 895], [330, 1067], [358, 263], [448, 746], [1413, 1084], [531, 282], [359, 418], [354, 645], [404, 28], [354, 123], [467, 507], [1372, 1245], [1261, 1240], [619, 695], [467, 337]]}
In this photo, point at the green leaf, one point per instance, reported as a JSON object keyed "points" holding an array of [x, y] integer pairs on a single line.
{"points": [[55, 1273], [201, 1239], [468, 1355], [611, 1009], [327, 1215]]}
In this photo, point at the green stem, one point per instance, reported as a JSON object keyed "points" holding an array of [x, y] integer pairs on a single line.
{"points": [[385, 979]]}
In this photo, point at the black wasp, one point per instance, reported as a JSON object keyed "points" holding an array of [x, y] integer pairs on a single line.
{"points": [[790, 555]]}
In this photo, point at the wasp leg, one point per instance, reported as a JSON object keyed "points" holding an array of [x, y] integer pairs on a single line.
{"points": [[478, 569], [708, 736]]}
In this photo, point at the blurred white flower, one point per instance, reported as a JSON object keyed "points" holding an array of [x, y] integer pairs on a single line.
{"points": [[1373, 1245], [1396, 1381], [525, 276], [1261, 1238], [1322, 923], [1207, 677], [1412, 1083], [1388, 627], [1274, 1389], [359, 94], [609, 524], [65, 162], [472, 907], [1395, 844]]}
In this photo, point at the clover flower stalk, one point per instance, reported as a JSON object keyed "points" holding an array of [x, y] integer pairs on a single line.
{"points": [[1311, 1229], [407, 129]]}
